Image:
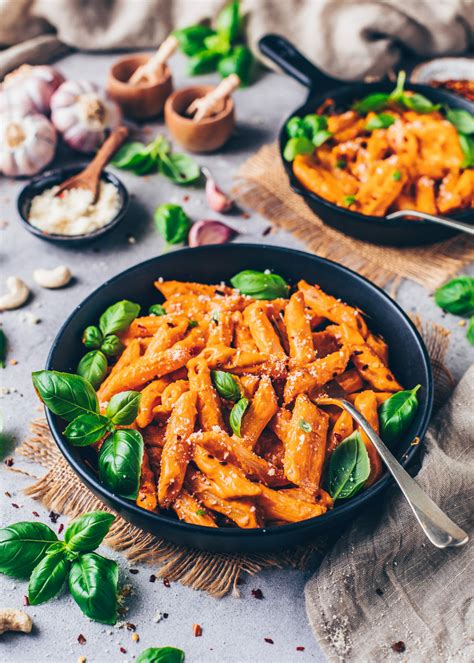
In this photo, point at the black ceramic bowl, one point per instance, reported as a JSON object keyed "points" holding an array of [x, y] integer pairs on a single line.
{"points": [[212, 264], [57, 176]]}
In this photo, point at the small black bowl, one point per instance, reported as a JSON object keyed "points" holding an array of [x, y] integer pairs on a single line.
{"points": [[47, 180], [213, 264]]}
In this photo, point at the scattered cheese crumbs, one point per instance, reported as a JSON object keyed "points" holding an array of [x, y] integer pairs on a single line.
{"points": [[29, 318], [158, 617]]}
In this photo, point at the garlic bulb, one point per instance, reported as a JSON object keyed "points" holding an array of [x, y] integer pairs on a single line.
{"points": [[82, 114], [27, 144], [29, 89]]}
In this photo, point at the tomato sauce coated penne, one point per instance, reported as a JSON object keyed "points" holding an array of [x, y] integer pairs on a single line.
{"points": [[281, 355]]}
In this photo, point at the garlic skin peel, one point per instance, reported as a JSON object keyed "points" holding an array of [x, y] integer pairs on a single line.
{"points": [[27, 144], [29, 89], [83, 114]]}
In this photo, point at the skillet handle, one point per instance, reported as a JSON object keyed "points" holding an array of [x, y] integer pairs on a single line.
{"points": [[287, 57]]}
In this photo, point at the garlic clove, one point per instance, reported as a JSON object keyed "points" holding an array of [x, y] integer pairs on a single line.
{"points": [[53, 278], [216, 198], [17, 295], [210, 232]]}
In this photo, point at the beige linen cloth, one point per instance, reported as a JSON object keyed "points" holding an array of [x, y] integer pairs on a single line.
{"points": [[384, 584], [348, 38]]}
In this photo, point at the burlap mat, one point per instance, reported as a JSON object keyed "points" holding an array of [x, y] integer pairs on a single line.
{"points": [[262, 185], [218, 574]]}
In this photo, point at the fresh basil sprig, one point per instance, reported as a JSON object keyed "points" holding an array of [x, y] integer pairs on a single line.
{"points": [[380, 121], [161, 655], [93, 367], [157, 309], [226, 385], [349, 468], [3, 348], [87, 429], [379, 100], [118, 317], [172, 223], [260, 285], [122, 409], [397, 413], [237, 414], [92, 337], [457, 296], [30, 549], [305, 133], [66, 395], [112, 346], [120, 462]]}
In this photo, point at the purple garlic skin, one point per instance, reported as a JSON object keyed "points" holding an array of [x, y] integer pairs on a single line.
{"points": [[216, 198], [210, 232]]}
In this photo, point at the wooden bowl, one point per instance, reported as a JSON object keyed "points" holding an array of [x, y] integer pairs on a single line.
{"points": [[141, 101], [204, 136]]}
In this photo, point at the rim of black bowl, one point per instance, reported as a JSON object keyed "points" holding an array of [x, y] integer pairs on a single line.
{"points": [[362, 498], [54, 176]]}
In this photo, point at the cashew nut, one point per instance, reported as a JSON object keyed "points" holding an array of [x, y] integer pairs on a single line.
{"points": [[14, 620], [17, 294], [52, 278]]}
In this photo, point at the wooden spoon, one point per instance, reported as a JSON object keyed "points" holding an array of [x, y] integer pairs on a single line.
{"points": [[89, 178]]}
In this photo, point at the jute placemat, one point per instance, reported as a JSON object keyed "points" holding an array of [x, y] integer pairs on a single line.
{"points": [[61, 490], [262, 185]]}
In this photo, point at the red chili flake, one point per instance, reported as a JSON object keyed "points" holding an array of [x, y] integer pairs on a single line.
{"points": [[60, 528], [8, 494], [133, 571], [379, 591], [81, 639], [9, 462], [399, 647], [165, 615], [300, 649], [197, 630], [166, 582], [257, 593], [245, 215], [389, 378], [267, 231], [15, 506], [35, 513], [53, 516], [365, 367], [130, 626], [185, 199], [123, 650], [152, 577], [26, 600], [269, 640]]}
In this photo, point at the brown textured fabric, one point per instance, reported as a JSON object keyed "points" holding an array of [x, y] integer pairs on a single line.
{"points": [[384, 584], [263, 186], [218, 574]]}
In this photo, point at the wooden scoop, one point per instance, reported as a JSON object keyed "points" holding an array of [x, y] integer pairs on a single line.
{"points": [[213, 102], [154, 67], [89, 178]]}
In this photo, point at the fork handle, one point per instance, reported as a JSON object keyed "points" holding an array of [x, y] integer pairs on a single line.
{"points": [[432, 218], [106, 152]]}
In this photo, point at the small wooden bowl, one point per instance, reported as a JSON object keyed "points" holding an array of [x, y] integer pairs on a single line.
{"points": [[140, 101], [204, 136]]}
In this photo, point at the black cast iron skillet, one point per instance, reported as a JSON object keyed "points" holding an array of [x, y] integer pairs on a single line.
{"points": [[395, 232], [212, 264]]}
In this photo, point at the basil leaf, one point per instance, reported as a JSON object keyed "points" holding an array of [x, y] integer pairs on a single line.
{"points": [[295, 146], [3, 348], [239, 61], [180, 168], [470, 330], [120, 461], [236, 415], [93, 583], [321, 137], [349, 467], [218, 43], [467, 146], [129, 155], [172, 223], [398, 92], [157, 309], [260, 285], [381, 121], [457, 296], [228, 20], [463, 120], [65, 394], [87, 429], [93, 367], [203, 62], [191, 39], [296, 128], [418, 103], [48, 577], [226, 385], [397, 413], [373, 102], [314, 123], [112, 346], [92, 337], [22, 546], [118, 317], [122, 409], [86, 533], [161, 655], [305, 425]]}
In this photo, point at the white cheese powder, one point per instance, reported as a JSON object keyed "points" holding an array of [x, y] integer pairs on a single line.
{"points": [[73, 213]]}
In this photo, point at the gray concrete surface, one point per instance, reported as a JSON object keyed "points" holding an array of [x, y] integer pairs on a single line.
{"points": [[233, 629]]}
